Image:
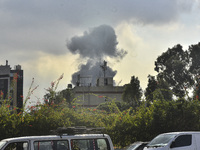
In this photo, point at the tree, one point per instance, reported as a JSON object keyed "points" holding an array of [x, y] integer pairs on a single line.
{"points": [[65, 95], [194, 58], [133, 92], [68, 95], [157, 89], [194, 61], [172, 66], [151, 87], [162, 91]]}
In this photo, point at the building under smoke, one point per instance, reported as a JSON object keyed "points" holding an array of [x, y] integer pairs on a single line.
{"points": [[93, 46], [93, 81], [89, 95]]}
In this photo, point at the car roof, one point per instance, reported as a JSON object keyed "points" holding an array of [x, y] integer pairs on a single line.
{"points": [[139, 142], [183, 132], [56, 137]]}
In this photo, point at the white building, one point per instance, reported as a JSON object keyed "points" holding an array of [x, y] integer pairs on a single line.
{"points": [[91, 96]]}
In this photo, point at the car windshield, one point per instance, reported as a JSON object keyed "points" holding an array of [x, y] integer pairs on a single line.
{"points": [[135, 145], [132, 147], [2, 144], [161, 140]]}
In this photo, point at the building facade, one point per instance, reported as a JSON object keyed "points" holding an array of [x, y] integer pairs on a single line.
{"points": [[11, 85], [104, 91]]}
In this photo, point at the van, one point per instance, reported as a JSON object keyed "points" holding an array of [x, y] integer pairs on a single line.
{"points": [[175, 141], [60, 141]]}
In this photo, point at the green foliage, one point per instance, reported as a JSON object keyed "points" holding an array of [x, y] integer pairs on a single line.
{"points": [[151, 87], [51, 95], [194, 55], [132, 92], [68, 96], [172, 66], [111, 107], [125, 125], [162, 92]]}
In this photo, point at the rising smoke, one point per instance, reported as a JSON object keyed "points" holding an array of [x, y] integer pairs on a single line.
{"points": [[95, 45]]}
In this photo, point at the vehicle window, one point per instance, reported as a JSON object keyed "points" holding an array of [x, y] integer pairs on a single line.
{"points": [[136, 146], [17, 146], [90, 144], [102, 144], [161, 140], [183, 140], [51, 145], [132, 147], [2, 144]]}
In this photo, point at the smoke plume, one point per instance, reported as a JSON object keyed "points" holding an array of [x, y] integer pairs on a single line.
{"points": [[95, 45]]}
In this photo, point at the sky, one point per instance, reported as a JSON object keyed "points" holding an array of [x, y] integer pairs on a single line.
{"points": [[49, 38]]}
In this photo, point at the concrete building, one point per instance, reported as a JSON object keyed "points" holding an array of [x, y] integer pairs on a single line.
{"points": [[11, 85], [92, 96]]}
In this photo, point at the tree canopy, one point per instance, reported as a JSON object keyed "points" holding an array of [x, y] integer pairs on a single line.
{"points": [[132, 92], [157, 89], [173, 67]]}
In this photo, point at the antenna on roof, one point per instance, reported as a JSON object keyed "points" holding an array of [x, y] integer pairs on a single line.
{"points": [[104, 68]]}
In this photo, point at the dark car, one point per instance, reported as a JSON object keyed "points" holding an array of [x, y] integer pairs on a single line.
{"points": [[136, 146]]}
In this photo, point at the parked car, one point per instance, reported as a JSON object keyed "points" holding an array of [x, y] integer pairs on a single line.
{"points": [[73, 141], [176, 141], [136, 146]]}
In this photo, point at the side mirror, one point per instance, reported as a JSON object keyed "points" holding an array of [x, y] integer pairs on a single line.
{"points": [[173, 144]]}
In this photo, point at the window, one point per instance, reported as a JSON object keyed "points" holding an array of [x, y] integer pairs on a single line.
{"points": [[51, 145], [17, 146], [161, 140], [90, 144], [2, 144], [182, 140]]}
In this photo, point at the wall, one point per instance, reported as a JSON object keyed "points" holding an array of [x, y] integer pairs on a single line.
{"points": [[91, 96]]}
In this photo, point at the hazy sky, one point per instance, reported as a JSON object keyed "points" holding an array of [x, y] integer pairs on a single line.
{"points": [[49, 38]]}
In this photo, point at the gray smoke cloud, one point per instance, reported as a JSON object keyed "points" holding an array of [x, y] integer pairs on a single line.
{"points": [[95, 46], [89, 73]]}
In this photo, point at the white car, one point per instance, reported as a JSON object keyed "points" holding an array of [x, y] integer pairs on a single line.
{"points": [[175, 141], [59, 142]]}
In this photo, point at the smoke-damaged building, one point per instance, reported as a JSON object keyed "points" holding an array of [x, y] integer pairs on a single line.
{"points": [[89, 95], [11, 85], [94, 82]]}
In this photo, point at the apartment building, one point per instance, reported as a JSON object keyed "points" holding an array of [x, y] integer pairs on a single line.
{"points": [[11, 85]]}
